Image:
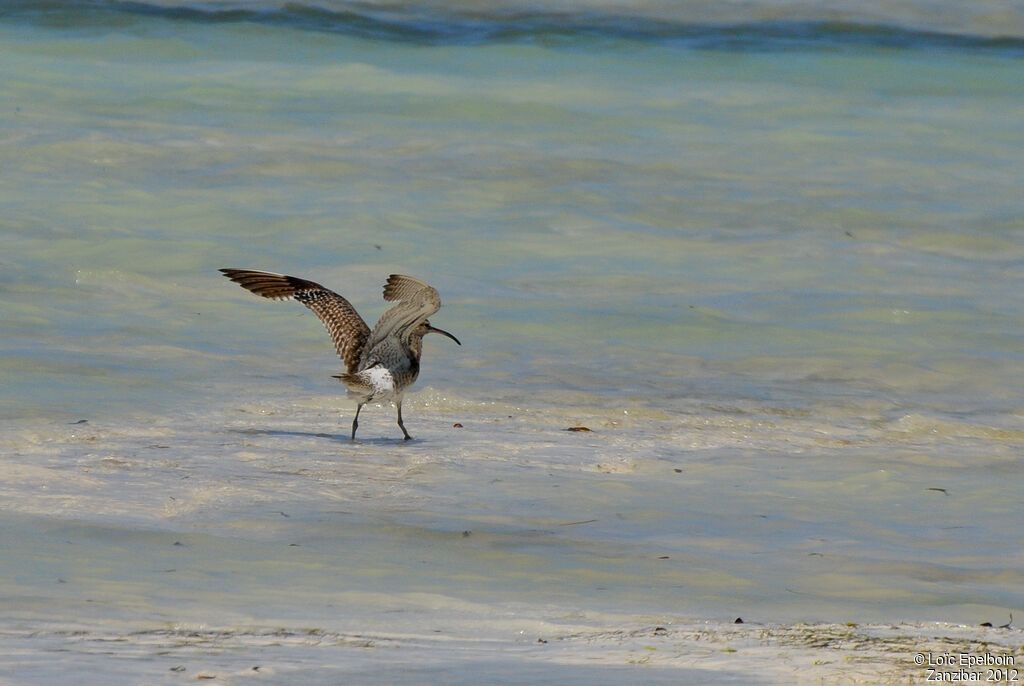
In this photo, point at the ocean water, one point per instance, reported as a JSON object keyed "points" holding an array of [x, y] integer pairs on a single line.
{"points": [[770, 254]]}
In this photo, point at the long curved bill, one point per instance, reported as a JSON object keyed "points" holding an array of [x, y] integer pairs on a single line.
{"points": [[434, 329]]}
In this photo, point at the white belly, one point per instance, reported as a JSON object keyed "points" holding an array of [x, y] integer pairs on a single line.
{"points": [[373, 384]]}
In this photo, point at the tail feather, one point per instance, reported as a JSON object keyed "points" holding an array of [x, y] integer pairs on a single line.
{"points": [[354, 382]]}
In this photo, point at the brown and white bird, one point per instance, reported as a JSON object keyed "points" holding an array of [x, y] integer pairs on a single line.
{"points": [[382, 363]]}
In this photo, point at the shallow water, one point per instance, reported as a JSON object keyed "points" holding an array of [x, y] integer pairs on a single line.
{"points": [[773, 264]]}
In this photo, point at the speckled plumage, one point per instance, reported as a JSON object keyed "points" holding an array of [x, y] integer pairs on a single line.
{"points": [[380, 363]]}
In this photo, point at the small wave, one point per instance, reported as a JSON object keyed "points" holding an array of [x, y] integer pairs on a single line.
{"points": [[450, 26]]}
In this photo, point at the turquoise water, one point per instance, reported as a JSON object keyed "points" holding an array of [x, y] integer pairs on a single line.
{"points": [[773, 262]]}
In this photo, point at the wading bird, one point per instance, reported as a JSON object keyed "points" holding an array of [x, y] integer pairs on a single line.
{"points": [[381, 364]]}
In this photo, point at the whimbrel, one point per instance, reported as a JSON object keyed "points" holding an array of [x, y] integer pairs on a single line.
{"points": [[381, 363]]}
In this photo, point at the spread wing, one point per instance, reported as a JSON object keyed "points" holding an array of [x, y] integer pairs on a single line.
{"points": [[416, 301], [346, 327]]}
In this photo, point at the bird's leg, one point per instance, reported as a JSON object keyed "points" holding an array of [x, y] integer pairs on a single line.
{"points": [[355, 420], [401, 425]]}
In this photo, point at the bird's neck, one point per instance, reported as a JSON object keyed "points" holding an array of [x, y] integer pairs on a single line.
{"points": [[416, 347]]}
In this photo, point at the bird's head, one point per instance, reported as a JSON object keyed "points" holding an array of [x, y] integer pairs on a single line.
{"points": [[426, 328], [417, 334]]}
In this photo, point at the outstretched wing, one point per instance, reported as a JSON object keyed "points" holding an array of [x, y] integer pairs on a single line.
{"points": [[416, 302], [405, 289], [346, 327]]}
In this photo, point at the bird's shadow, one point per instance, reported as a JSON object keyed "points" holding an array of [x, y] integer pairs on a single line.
{"points": [[339, 438]]}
